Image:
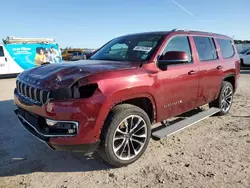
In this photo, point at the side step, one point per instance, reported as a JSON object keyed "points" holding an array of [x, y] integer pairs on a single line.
{"points": [[166, 131]]}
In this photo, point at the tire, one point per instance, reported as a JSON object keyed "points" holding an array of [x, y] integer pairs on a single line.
{"points": [[112, 139], [225, 98], [242, 65]]}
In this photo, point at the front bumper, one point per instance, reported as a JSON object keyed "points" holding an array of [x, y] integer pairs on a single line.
{"points": [[33, 130]]}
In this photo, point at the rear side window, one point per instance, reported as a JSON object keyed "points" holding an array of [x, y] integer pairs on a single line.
{"points": [[206, 48], [226, 48], [1, 52]]}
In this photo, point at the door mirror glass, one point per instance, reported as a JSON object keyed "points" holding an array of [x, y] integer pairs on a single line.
{"points": [[172, 58]]}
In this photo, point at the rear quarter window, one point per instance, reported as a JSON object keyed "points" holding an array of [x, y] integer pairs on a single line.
{"points": [[226, 48]]}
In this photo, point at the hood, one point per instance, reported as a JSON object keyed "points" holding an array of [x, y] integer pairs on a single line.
{"points": [[65, 74]]}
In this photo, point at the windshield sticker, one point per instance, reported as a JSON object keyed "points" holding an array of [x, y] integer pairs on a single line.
{"points": [[142, 48]]}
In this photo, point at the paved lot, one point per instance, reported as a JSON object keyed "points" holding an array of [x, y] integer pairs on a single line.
{"points": [[214, 153]]}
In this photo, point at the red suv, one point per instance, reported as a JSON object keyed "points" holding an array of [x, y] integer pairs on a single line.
{"points": [[110, 101]]}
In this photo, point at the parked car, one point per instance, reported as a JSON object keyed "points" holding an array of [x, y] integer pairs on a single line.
{"points": [[76, 56], [109, 102], [245, 57], [67, 53]]}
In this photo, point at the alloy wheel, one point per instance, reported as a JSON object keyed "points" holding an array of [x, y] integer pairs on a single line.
{"points": [[130, 137]]}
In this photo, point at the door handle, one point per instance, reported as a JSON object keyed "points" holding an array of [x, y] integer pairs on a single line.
{"points": [[6, 59], [219, 67], [192, 72]]}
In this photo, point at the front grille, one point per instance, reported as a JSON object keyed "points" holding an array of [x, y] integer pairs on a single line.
{"points": [[36, 95]]}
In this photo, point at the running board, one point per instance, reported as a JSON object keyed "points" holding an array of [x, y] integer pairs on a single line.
{"points": [[171, 129]]}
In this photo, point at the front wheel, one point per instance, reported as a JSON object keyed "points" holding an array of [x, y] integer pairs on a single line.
{"points": [[225, 99], [125, 135]]}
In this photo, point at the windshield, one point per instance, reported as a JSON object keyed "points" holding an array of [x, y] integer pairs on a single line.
{"points": [[244, 51], [129, 48]]}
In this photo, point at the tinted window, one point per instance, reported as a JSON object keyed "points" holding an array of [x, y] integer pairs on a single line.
{"points": [[1, 51], [179, 43], [226, 48], [118, 50], [205, 48]]}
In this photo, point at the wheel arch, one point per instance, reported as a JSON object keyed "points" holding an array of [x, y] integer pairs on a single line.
{"points": [[141, 100], [231, 79]]}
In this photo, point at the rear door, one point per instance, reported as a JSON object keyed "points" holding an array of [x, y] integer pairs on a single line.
{"points": [[211, 69], [4, 66]]}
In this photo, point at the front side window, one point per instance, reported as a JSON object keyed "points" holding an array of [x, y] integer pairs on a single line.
{"points": [[206, 48], [226, 48], [129, 48], [1, 52], [179, 43]]}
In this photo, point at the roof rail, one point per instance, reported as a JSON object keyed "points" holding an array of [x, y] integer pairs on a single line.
{"points": [[189, 30], [10, 40]]}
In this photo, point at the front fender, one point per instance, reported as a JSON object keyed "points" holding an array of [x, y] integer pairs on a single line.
{"points": [[118, 97]]}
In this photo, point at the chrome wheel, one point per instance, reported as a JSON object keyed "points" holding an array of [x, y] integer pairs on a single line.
{"points": [[130, 137], [227, 97]]}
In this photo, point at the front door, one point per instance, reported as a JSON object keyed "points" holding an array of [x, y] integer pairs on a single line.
{"points": [[179, 83], [4, 66]]}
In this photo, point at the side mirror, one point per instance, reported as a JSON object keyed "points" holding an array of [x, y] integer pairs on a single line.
{"points": [[248, 53], [172, 58]]}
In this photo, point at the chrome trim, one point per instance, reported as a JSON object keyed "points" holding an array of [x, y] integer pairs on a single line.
{"points": [[30, 94], [35, 91], [21, 87], [48, 135], [25, 90], [41, 96], [48, 96]]}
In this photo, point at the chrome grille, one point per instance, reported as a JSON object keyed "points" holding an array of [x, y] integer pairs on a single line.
{"points": [[36, 95]]}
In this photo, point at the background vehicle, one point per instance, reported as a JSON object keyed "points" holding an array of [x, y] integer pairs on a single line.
{"points": [[245, 57], [19, 54], [68, 52], [110, 101], [76, 56]]}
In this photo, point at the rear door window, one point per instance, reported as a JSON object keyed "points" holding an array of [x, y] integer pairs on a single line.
{"points": [[1, 52], [206, 48], [226, 48]]}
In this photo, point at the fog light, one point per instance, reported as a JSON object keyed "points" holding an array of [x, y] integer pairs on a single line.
{"points": [[50, 122], [61, 127]]}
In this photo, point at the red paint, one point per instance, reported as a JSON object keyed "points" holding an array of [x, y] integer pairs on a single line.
{"points": [[193, 84]]}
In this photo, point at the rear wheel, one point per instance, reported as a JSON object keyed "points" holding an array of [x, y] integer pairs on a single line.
{"points": [[242, 65], [125, 135], [225, 99]]}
